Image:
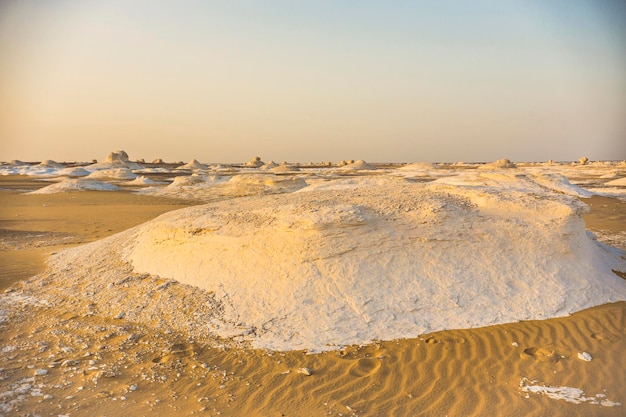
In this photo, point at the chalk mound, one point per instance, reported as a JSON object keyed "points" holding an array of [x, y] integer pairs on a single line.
{"points": [[141, 180], [359, 165], [47, 168], [73, 185], [254, 163], [192, 165], [113, 173], [213, 187], [283, 168], [117, 156], [269, 165], [115, 159], [195, 179], [73, 172], [313, 270], [537, 183], [500, 163], [49, 163]]}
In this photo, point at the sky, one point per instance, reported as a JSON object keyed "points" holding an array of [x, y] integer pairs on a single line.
{"points": [[300, 81]]}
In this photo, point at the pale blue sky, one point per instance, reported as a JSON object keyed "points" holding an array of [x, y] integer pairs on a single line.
{"points": [[222, 81]]}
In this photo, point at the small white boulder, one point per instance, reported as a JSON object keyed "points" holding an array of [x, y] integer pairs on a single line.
{"points": [[305, 371]]}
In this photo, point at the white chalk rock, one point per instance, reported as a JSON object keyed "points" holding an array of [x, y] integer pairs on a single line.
{"points": [[305, 371]]}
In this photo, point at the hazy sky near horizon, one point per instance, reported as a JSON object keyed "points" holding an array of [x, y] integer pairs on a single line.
{"points": [[383, 81]]}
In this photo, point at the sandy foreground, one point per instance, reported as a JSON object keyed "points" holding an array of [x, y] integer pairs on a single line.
{"points": [[55, 361]]}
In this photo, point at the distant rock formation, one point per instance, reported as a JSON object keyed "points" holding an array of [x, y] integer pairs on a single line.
{"points": [[500, 163], [49, 163], [193, 164], [255, 163], [359, 165], [116, 157]]}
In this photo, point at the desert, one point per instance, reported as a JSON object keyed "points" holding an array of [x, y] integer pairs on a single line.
{"points": [[280, 208], [350, 288]]}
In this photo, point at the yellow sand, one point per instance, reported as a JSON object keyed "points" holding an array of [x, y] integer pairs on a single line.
{"points": [[40, 224]]}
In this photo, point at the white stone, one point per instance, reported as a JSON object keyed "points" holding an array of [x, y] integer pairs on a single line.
{"points": [[305, 371]]}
